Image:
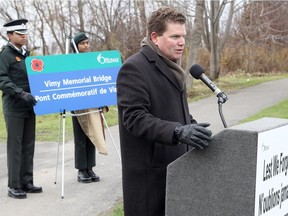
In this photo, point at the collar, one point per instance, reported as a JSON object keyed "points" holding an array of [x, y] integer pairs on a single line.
{"points": [[21, 50]]}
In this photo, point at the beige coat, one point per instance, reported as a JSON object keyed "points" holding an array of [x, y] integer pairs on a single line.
{"points": [[93, 126]]}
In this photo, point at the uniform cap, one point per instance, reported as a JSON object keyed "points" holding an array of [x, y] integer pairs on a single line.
{"points": [[18, 26], [80, 37]]}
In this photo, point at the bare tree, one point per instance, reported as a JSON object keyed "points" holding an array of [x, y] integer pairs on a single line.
{"points": [[262, 31], [211, 34], [196, 35], [117, 24], [9, 11], [264, 22]]}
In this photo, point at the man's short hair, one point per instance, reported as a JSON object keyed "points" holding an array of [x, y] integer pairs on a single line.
{"points": [[158, 20]]}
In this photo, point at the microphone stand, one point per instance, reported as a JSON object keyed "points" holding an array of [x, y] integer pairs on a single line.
{"points": [[222, 98]]}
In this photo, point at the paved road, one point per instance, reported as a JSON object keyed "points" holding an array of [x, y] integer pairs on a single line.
{"points": [[96, 198]]}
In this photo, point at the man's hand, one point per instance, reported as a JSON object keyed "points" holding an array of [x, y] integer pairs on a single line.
{"points": [[196, 135], [26, 96]]}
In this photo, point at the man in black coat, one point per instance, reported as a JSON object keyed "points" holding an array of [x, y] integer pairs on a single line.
{"points": [[154, 121], [18, 111]]}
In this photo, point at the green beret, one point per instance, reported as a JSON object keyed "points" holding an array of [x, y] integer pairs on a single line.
{"points": [[80, 37]]}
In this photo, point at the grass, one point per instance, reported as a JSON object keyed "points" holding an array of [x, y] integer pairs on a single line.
{"points": [[232, 82], [118, 211], [280, 110], [48, 126]]}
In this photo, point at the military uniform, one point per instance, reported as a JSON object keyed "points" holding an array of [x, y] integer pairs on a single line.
{"points": [[17, 113], [84, 147], [19, 118], [14, 79]]}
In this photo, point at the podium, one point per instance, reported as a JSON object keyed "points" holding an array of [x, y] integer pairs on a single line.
{"points": [[242, 172]]}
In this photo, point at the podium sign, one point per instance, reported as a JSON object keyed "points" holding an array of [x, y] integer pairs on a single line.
{"points": [[243, 172], [271, 196], [73, 81]]}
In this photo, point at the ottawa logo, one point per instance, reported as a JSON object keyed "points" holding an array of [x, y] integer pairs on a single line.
{"points": [[37, 65], [105, 60], [101, 59]]}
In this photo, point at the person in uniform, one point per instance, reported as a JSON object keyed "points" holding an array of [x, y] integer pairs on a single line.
{"points": [[19, 116], [85, 157]]}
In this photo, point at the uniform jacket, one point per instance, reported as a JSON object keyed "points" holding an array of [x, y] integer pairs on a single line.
{"points": [[13, 79], [150, 105]]}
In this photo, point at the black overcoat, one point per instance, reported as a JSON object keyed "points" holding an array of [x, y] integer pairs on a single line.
{"points": [[150, 105]]}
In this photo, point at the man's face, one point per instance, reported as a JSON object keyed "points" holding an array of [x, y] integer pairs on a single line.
{"points": [[172, 42], [83, 46], [18, 39]]}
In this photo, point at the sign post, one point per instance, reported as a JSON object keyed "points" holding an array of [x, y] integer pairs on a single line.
{"points": [[62, 83]]}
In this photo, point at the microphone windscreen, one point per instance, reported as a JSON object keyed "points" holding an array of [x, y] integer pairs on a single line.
{"points": [[196, 71]]}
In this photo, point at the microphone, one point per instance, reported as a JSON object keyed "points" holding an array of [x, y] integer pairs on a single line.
{"points": [[198, 73]]}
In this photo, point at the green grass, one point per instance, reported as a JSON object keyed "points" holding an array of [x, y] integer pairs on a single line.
{"points": [[118, 211], [48, 126], [232, 82], [280, 110]]}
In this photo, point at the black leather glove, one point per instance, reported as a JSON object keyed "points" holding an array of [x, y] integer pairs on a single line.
{"points": [[26, 96], [196, 135]]}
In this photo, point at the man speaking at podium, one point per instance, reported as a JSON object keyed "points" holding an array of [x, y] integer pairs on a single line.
{"points": [[154, 121]]}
